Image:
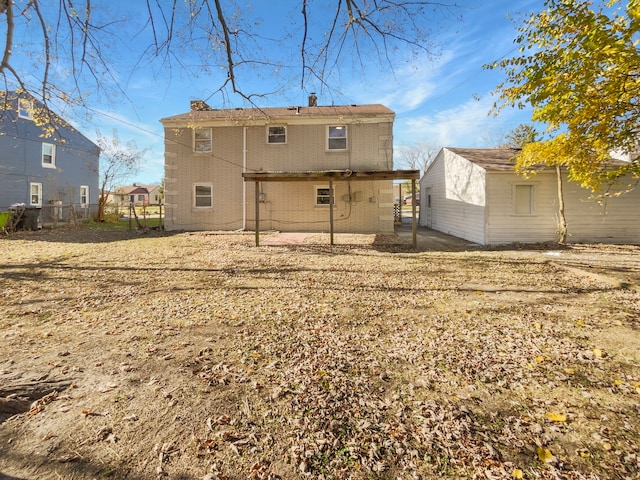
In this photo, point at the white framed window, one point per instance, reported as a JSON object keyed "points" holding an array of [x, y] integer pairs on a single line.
{"points": [[202, 195], [323, 193], [523, 199], [277, 134], [202, 140], [84, 195], [25, 108], [337, 137], [35, 194], [48, 155]]}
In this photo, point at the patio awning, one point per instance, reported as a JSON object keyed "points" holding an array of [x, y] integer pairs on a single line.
{"points": [[349, 175], [331, 176]]}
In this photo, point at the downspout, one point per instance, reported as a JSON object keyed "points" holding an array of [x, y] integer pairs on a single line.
{"points": [[244, 184]]}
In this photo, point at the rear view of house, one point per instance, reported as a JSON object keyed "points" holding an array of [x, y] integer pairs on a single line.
{"points": [[43, 166], [476, 195], [207, 151]]}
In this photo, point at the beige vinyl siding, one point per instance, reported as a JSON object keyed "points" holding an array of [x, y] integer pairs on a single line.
{"points": [[287, 206], [193, 168], [587, 219], [457, 196], [291, 206], [613, 220], [505, 225]]}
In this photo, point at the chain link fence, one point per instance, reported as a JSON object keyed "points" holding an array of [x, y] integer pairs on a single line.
{"points": [[20, 217]]}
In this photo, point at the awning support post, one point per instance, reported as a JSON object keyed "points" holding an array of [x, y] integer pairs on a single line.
{"points": [[257, 213], [414, 225], [331, 210]]}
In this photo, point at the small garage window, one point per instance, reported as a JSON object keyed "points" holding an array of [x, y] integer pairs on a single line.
{"points": [[524, 199]]}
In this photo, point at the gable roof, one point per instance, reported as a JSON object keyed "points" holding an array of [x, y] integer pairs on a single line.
{"points": [[503, 159], [491, 159], [9, 104], [282, 113], [135, 189]]}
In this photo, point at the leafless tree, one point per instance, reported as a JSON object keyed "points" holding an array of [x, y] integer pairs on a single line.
{"points": [[417, 156], [118, 162], [521, 136], [71, 42]]}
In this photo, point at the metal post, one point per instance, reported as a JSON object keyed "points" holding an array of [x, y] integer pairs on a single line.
{"points": [[331, 210], [257, 214], [414, 225]]}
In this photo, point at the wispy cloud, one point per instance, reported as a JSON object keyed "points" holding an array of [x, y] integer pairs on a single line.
{"points": [[127, 128], [465, 125]]}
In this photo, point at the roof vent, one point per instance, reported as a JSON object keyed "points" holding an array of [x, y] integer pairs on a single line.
{"points": [[313, 100]]}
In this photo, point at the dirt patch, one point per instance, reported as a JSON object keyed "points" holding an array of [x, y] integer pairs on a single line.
{"points": [[195, 356]]}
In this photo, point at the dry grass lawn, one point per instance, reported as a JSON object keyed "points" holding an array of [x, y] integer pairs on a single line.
{"points": [[201, 356]]}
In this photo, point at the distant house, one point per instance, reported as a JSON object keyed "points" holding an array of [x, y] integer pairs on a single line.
{"points": [[223, 166], [137, 195], [43, 166], [475, 194]]}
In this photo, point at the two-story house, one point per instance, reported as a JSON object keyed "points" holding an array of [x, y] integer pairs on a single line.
{"points": [[42, 165], [298, 158]]}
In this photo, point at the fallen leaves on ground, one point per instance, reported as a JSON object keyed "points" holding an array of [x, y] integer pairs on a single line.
{"points": [[202, 356]]}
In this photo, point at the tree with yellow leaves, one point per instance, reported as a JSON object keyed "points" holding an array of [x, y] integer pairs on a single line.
{"points": [[579, 68]]}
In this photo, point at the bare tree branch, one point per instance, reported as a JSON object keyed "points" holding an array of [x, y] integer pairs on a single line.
{"points": [[208, 35]]}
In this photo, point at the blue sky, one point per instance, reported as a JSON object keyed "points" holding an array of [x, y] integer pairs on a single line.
{"points": [[439, 101]]}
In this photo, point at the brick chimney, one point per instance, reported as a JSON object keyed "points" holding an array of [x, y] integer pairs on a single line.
{"points": [[199, 106], [313, 100]]}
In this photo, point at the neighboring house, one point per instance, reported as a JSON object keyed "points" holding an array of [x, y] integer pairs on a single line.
{"points": [[222, 164], [475, 194], [43, 166], [136, 195]]}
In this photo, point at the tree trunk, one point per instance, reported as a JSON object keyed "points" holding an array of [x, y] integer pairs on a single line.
{"points": [[102, 201], [562, 221]]}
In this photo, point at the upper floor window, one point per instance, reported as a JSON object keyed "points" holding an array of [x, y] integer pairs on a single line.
{"points": [[337, 137], [25, 108], [35, 194], [523, 199], [202, 140], [277, 134], [202, 195], [84, 195], [48, 155]]}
